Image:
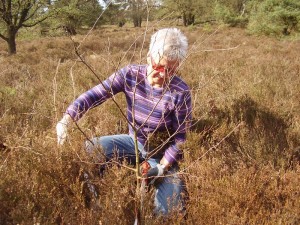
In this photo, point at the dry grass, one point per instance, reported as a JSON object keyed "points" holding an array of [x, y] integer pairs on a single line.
{"points": [[250, 91]]}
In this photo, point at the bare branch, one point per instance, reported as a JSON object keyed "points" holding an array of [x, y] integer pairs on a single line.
{"points": [[55, 89], [217, 49], [3, 37]]}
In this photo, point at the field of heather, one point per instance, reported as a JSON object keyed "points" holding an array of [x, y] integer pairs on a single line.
{"points": [[242, 154]]}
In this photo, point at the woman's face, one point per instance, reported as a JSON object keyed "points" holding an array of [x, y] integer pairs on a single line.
{"points": [[160, 70]]}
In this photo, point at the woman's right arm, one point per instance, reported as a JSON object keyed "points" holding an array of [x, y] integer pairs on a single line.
{"points": [[88, 100], [97, 95]]}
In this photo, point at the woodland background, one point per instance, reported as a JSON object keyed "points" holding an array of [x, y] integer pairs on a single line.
{"points": [[242, 155]]}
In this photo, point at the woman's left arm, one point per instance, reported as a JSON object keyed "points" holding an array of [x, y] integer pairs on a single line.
{"points": [[181, 121]]}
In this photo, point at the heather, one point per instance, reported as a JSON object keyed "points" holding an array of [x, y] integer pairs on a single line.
{"points": [[242, 154]]}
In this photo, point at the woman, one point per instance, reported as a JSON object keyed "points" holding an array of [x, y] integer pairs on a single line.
{"points": [[158, 110]]}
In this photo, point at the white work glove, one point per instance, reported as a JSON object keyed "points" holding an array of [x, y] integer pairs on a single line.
{"points": [[62, 129]]}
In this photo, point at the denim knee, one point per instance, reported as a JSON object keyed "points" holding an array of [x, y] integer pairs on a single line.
{"points": [[94, 147]]}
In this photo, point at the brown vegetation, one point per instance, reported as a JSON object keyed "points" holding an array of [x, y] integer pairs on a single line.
{"points": [[241, 159]]}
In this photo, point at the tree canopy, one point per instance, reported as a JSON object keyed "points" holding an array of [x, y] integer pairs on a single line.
{"points": [[16, 14], [70, 14], [271, 17]]}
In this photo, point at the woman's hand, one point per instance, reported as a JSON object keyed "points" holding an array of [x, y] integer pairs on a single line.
{"points": [[62, 129]]}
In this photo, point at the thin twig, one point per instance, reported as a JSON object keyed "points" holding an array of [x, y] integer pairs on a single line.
{"points": [[72, 79], [84, 134], [55, 89], [217, 49]]}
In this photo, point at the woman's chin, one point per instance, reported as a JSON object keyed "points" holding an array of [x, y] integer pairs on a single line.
{"points": [[158, 82]]}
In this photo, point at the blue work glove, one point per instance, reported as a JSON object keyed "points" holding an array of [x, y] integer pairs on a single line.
{"points": [[150, 175], [153, 174], [157, 171]]}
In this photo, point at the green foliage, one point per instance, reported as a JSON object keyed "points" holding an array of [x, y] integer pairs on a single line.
{"points": [[73, 14], [186, 10], [114, 14], [15, 15], [7, 91], [229, 15], [198, 11], [275, 17], [223, 13], [90, 11]]}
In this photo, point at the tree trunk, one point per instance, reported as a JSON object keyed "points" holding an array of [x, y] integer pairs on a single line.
{"points": [[140, 21], [137, 21], [188, 19], [184, 20], [136, 14], [11, 42]]}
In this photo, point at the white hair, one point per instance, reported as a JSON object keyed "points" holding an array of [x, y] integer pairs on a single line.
{"points": [[170, 43]]}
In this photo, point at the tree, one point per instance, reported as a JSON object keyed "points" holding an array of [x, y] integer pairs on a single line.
{"points": [[236, 6], [135, 10], [114, 14], [275, 17], [16, 14], [187, 10], [182, 9], [72, 14]]}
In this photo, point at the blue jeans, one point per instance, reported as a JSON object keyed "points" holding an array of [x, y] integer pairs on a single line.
{"points": [[169, 191]]}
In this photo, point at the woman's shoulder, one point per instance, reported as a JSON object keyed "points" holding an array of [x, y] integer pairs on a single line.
{"points": [[133, 73], [178, 84], [135, 69]]}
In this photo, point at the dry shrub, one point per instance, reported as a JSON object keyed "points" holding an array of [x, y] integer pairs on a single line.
{"points": [[249, 177], [251, 195], [262, 139]]}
